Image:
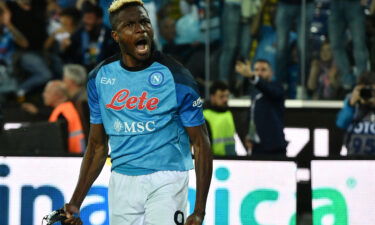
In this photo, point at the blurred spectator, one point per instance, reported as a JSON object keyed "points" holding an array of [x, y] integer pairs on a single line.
{"points": [[170, 8], [219, 120], [370, 34], [266, 129], [93, 42], [236, 37], [79, 4], [74, 78], [289, 14], [211, 23], [167, 27], [324, 78], [56, 96], [181, 51], [53, 13], [319, 26], [151, 9], [263, 30], [59, 40], [189, 52], [192, 26], [9, 37], [30, 19], [30, 12], [104, 4], [186, 6], [190, 39], [188, 27], [66, 3], [357, 117], [348, 15]]}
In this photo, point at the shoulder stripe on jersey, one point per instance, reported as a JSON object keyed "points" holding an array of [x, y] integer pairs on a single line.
{"points": [[94, 72], [180, 74]]}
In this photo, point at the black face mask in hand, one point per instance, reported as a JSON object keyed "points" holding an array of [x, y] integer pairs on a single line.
{"points": [[55, 216]]}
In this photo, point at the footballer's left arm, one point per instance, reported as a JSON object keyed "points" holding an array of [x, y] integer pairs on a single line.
{"points": [[203, 169]]}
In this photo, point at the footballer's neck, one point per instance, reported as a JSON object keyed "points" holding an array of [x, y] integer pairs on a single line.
{"points": [[131, 63]]}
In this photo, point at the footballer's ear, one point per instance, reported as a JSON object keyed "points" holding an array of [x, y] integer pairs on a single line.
{"points": [[115, 35]]}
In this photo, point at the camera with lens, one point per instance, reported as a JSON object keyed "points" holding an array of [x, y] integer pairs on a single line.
{"points": [[366, 92]]}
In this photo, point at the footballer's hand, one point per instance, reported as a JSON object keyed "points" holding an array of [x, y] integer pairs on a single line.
{"points": [[194, 219], [71, 212]]}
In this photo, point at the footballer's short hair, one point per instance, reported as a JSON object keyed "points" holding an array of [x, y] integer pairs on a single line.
{"points": [[119, 5]]}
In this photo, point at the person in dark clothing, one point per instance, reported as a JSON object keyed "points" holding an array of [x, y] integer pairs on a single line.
{"points": [[29, 17], [93, 42], [59, 40], [266, 130]]}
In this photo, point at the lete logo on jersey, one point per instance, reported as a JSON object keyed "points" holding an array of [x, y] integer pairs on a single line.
{"points": [[122, 99]]}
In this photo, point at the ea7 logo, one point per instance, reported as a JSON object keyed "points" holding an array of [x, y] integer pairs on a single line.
{"points": [[198, 103], [105, 80]]}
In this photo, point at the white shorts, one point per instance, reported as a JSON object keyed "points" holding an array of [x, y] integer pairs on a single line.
{"points": [[159, 198]]}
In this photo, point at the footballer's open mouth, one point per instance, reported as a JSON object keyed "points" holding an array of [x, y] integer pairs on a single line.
{"points": [[142, 46]]}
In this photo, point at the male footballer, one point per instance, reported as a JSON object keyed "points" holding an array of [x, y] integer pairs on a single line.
{"points": [[145, 108]]}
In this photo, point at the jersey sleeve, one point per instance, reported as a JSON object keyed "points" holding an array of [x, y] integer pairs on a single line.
{"points": [[93, 100], [190, 104]]}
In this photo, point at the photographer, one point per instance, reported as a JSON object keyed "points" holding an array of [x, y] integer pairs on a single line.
{"points": [[357, 117]]}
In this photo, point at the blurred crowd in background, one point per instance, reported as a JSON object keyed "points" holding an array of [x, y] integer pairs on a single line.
{"points": [[316, 49]]}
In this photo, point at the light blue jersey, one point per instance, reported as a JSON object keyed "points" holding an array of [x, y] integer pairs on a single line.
{"points": [[144, 113]]}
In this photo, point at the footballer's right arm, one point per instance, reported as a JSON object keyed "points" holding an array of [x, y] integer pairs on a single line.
{"points": [[92, 164]]}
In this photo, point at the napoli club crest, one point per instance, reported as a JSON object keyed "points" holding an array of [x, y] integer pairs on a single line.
{"points": [[156, 79]]}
